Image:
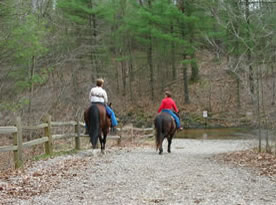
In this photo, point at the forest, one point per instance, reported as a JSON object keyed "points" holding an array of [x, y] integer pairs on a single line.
{"points": [[216, 57], [213, 55]]}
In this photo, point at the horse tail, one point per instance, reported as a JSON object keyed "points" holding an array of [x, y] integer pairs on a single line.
{"points": [[159, 134], [94, 129]]}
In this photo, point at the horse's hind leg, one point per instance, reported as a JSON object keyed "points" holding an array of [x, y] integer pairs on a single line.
{"points": [[161, 148], [102, 144], [103, 141], [169, 144]]}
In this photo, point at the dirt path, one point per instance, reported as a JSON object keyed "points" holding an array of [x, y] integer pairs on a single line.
{"points": [[189, 175]]}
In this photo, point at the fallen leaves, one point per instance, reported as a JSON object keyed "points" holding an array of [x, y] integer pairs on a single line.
{"points": [[262, 163], [25, 184]]}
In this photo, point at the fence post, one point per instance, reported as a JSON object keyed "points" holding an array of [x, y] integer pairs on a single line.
{"points": [[120, 134], [47, 130], [17, 141], [77, 139], [153, 130], [132, 133]]}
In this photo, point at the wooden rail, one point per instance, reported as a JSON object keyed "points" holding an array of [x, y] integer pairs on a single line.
{"points": [[49, 137]]}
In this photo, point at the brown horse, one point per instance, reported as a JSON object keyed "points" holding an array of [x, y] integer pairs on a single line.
{"points": [[98, 124], [165, 128]]}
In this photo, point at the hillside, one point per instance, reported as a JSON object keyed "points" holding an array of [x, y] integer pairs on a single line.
{"points": [[65, 97]]}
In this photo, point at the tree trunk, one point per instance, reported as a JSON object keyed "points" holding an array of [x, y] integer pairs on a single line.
{"points": [[173, 56], [273, 86], [185, 81], [258, 112], [151, 69], [123, 70], [184, 68], [93, 42], [31, 92], [118, 80], [251, 72], [131, 74], [238, 93], [194, 66], [150, 61]]}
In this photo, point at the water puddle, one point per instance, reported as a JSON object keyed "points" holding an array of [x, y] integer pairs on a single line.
{"points": [[217, 133]]}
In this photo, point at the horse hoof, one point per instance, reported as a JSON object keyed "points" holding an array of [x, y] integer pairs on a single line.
{"points": [[95, 152], [103, 152], [160, 151]]}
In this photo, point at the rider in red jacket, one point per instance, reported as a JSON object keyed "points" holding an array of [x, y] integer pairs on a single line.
{"points": [[168, 105]]}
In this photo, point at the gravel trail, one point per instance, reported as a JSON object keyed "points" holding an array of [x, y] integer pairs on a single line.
{"points": [[189, 175]]}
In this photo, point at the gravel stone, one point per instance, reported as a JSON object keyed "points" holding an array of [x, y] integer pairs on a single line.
{"points": [[139, 175]]}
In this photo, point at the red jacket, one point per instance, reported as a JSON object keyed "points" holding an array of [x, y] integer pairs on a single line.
{"points": [[168, 103]]}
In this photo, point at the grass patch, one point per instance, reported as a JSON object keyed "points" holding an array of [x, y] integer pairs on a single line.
{"points": [[55, 154]]}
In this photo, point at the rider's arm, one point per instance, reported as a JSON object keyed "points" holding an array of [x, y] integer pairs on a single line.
{"points": [[175, 107], [90, 94], [105, 97]]}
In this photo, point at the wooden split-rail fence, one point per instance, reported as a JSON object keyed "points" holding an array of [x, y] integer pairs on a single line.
{"points": [[49, 137]]}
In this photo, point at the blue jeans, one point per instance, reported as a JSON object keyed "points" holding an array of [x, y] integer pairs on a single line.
{"points": [[177, 121], [111, 113]]}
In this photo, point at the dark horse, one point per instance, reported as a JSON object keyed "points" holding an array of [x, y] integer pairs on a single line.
{"points": [[98, 124], [165, 127]]}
